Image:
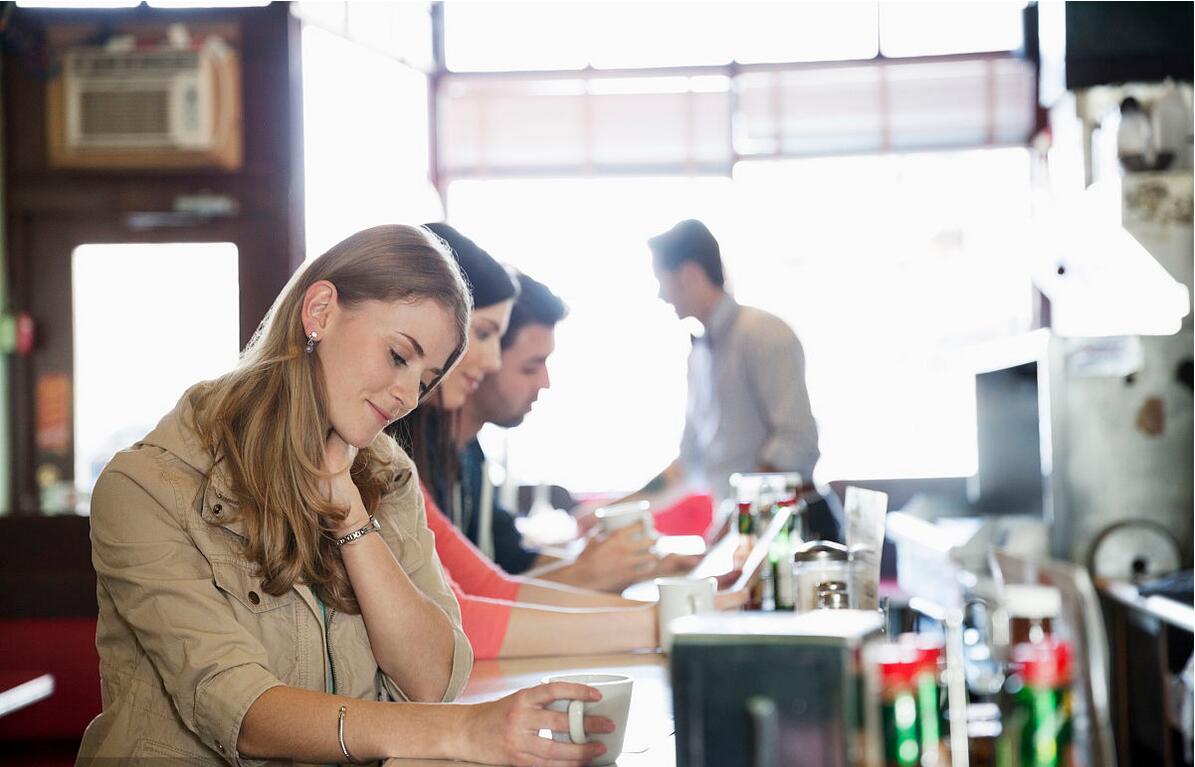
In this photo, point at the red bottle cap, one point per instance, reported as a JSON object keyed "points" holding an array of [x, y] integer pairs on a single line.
{"points": [[898, 664], [929, 648], [1044, 664]]}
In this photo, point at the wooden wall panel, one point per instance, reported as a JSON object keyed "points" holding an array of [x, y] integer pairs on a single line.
{"points": [[51, 211]]}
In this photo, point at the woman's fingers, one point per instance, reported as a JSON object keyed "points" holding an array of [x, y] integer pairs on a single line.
{"points": [[680, 563], [543, 752], [557, 721], [728, 579], [731, 600], [542, 694], [598, 724]]}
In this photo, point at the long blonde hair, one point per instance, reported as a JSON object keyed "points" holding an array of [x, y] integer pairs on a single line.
{"points": [[266, 419]]}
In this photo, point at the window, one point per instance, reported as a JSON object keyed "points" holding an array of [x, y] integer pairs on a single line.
{"points": [[613, 416], [512, 36], [888, 267], [805, 31], [937, 28], [140, 342], [365, 133], [892, 267]]}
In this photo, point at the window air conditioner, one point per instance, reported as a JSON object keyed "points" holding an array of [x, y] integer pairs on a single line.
{"points": [[161, 107]]}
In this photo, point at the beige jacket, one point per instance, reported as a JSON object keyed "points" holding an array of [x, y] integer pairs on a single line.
{"points": [[187, 637]]}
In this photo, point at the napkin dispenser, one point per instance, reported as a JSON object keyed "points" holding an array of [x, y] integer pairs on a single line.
{"points": [[772, 689]]}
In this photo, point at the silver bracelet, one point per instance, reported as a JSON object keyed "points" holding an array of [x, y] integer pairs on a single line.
{"points": [[344, 749], [373, 527]]}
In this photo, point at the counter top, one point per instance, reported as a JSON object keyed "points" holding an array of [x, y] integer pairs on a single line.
{"points": [[649, 738], [1166, 610], [23, 688]]}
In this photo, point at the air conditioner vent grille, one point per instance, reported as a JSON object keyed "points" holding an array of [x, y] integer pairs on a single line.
{"points": [[156, 63], [143, 113]]}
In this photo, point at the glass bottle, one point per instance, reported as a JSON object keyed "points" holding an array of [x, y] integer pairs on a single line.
{"points": [[899, 717], [1037, 728]]}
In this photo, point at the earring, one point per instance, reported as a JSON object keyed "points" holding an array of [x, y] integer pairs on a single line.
{"points": [[312, 340]]}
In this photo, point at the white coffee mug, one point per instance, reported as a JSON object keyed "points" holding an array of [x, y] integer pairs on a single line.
{"points": [[614, 705], [620, 515], [680, 597]]}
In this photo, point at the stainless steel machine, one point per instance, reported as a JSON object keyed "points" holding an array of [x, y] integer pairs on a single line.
{"points": [[771, 689]]}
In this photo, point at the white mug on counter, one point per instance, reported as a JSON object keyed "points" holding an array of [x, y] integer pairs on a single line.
{"points": [[680, 597], [620, 515], [614, 705]]}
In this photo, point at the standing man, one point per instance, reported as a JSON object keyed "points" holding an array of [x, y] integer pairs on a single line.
{"points": [[748, 406], [504, 398]]}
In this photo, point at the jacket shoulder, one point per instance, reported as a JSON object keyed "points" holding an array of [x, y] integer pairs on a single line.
{"points": [[389, 457], [148, 471], [762, 325]]}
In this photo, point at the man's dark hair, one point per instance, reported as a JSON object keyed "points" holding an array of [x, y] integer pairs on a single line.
{"points": [[536, 305], [689, 240]]}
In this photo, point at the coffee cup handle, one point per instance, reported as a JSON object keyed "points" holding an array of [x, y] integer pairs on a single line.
{"points": [[576, 722]]}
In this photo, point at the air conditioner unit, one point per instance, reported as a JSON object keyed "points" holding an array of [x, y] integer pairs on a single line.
{"points": [[150, 108]]}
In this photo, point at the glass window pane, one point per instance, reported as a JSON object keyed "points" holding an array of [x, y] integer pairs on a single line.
{"points": [[141, 339], [938, 28], [365, 141], [572, 35], [613, 416], [886, 291], [491, 36], [659, 34], [807, 31], [887, 267]]}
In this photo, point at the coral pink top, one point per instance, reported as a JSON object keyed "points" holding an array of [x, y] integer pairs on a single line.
{"points": [[476, 582]]}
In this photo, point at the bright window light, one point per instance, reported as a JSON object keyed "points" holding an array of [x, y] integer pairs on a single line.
{"points": [[77, 4], [573, 35], [365, 135], [937, 28], [193, 336], [481, 36], [208, 3], [805, 31], [887, 267], [613, 416]]}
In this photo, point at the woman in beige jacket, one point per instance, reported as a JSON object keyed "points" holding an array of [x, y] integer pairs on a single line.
{"points": [[247, 611]]}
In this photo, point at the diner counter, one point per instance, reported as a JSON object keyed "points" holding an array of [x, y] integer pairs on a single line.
{"points": [[649, 738]]}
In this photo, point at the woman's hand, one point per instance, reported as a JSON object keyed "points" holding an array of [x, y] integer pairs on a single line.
{"points": [[506, 731], [728, 599], [338, 460]]}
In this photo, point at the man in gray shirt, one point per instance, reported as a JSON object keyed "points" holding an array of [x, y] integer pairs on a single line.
{"points": [[748, 406]]}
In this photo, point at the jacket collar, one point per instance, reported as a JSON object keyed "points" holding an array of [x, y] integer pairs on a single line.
{"points": [[176, 434], [721, 319]]}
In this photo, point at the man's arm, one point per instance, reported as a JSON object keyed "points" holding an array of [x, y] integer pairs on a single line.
{"points": [[777, 375], [509, 552], [669, 479], [608, 563]]}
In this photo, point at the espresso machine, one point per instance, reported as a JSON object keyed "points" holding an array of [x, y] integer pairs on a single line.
{"points": [[772, 689]]}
